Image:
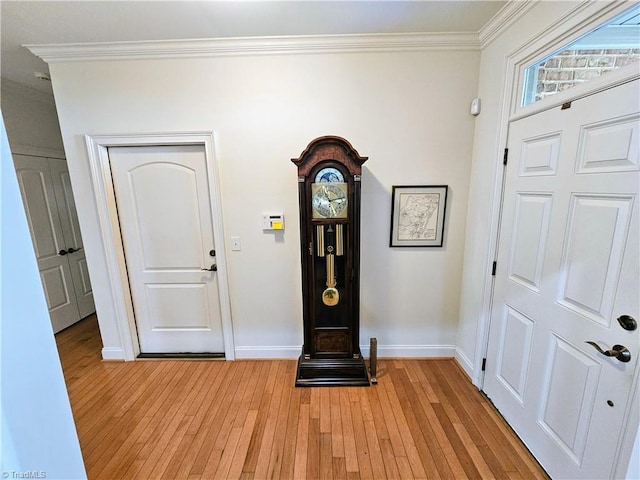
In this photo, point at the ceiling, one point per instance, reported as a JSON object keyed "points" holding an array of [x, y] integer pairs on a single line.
{"points": [[55, 22]]}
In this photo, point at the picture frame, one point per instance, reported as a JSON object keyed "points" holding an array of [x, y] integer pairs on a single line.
{"points": [[418, 215]]}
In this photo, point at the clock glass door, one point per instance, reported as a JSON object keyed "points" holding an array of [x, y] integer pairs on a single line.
{"points": [[331, 294]]}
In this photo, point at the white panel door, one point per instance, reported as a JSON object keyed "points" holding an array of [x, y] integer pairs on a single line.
{"points": [[164, 210], [73, 239], [567, 269], [38, 196]]}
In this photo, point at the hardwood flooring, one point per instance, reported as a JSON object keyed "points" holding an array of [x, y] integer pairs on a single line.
{"points": [[189, 420]]}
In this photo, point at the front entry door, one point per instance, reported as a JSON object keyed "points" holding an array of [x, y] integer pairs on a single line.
{"points": [[567, 270], [164, 208]]}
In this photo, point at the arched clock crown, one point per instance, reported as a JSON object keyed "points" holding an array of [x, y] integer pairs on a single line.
{"points": [[329, 191]]}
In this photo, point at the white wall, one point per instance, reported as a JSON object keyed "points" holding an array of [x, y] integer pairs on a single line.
{"points": [[408, 112], [38, 433], [30, 117]]}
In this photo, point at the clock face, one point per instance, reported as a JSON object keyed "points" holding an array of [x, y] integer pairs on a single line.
{"points": [[329, 175], [329, 200]]}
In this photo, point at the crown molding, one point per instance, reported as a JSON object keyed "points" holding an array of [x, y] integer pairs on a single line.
{"points": [[501, 21], [221, 47]]}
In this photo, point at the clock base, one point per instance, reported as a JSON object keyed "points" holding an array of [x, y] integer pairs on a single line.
{"points": [[332, 372]]}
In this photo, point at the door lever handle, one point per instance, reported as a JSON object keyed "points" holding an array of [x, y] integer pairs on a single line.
{"points": [[214, 268], [73, 250], [619, 352], [62, 252]]}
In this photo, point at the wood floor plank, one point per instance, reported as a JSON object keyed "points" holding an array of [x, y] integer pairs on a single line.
{"points": [[291, 435], [337, 433], [339, 469], [240, 453], [326, 458], [267, 442], [373, 443], [275, 458], [362, 449], [188, 420], [302, 442], [389, 459], [348, 435], [313, 449]]}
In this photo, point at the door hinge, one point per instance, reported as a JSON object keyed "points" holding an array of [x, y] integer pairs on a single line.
{"points": [[493, 269], [505, 156], [484, 364]]}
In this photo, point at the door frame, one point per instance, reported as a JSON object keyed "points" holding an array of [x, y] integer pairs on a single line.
{"points": [[97, 149], [580, 20]]}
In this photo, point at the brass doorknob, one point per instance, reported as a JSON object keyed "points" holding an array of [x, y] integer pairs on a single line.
{"points": [[619, 352]]}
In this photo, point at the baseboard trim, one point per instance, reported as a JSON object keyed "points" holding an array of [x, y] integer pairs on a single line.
{"points": [[259, 352], [384, 351], [110, 353], [411, 351], [464, 362]]}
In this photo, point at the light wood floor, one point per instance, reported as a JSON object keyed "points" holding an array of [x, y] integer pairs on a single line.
{"points": [[215, 419]]}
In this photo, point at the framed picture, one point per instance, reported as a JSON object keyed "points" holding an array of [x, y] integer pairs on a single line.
{"points": [[417, 215]]}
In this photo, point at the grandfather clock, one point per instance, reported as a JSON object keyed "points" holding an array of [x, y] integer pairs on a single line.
{"points": [[329, 194]]}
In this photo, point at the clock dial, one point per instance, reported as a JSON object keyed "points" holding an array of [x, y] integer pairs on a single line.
{"points": [[329, 200], [329, 175]]}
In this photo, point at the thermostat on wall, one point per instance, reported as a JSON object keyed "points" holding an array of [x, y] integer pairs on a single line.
{"points": [[273, 221]]}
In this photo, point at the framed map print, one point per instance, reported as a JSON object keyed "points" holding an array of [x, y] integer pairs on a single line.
{"points": [[417, 215]]}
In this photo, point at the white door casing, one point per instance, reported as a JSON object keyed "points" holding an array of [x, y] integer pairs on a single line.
{"points": [[118, 284], [567, 268], [162, 194], [48, 201]]}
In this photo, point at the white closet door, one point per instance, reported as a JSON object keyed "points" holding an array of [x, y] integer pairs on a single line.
{"points": [[38, 196], [73, 239]]}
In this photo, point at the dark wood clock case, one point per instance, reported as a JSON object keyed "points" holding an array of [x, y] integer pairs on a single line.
{"points": [[331, 352]]}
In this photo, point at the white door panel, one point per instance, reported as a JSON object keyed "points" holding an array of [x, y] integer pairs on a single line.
{"points": [[165, 218], [37, 192], [567, 268]]}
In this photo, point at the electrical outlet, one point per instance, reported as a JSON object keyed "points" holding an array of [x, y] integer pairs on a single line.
{"points": [[235, 244]]}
